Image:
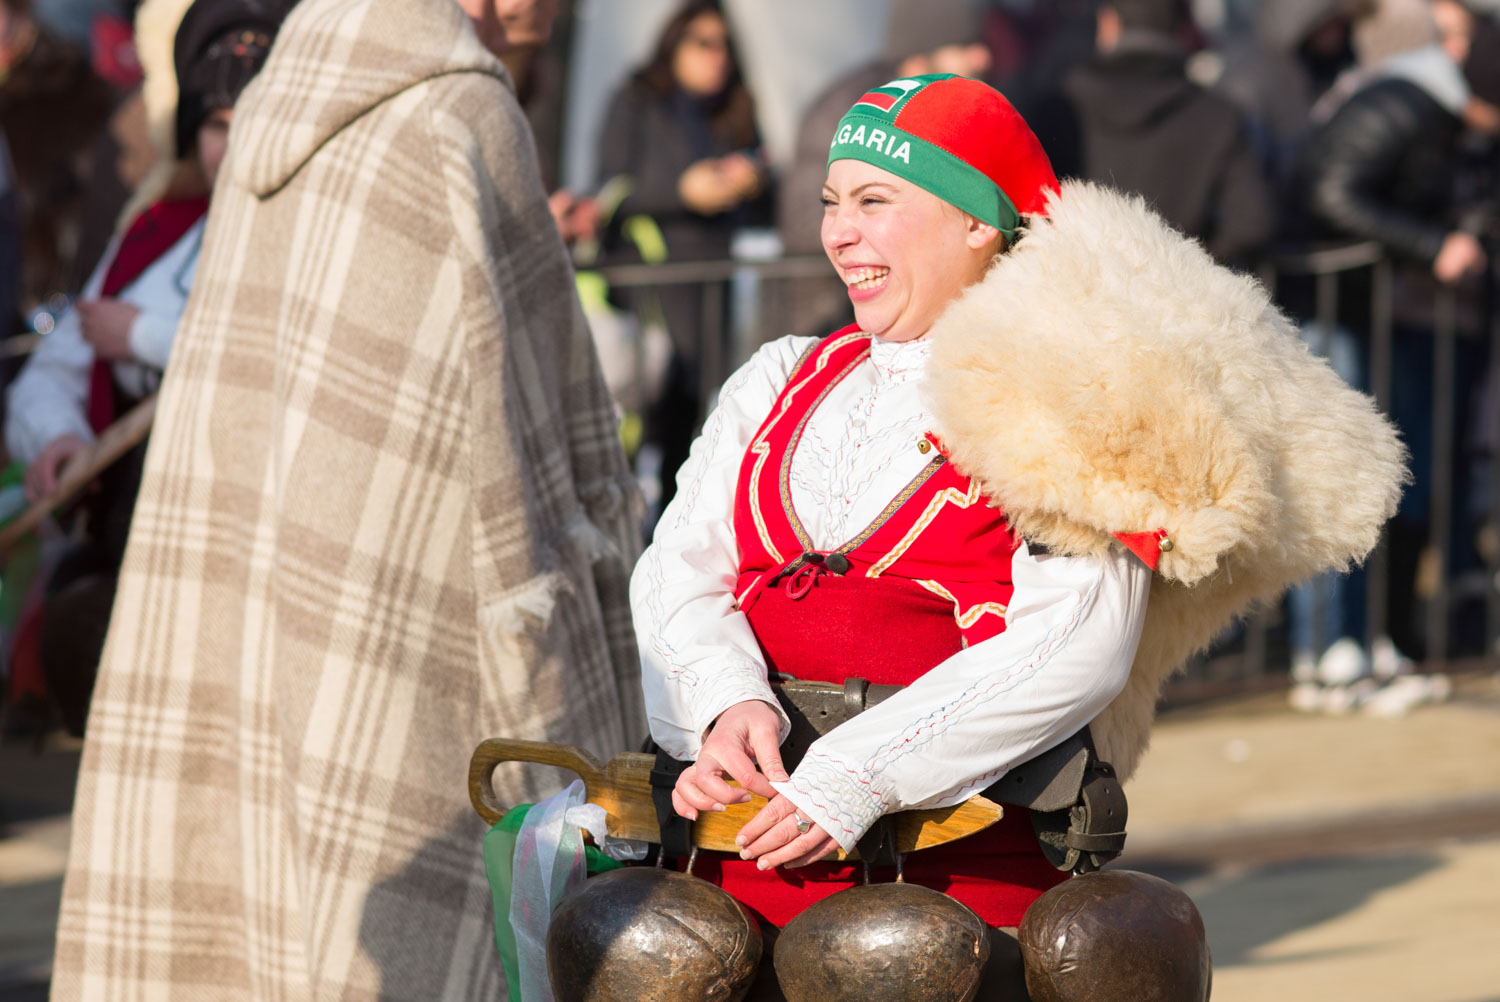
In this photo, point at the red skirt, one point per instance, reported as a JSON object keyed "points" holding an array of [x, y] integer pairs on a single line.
{"points": [[889, 631]]}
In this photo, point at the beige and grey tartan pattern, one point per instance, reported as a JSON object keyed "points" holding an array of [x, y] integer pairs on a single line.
{"points": [[384, 517]]}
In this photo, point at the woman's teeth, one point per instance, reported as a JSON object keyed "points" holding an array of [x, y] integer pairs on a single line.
{"points": [[865, 278]]}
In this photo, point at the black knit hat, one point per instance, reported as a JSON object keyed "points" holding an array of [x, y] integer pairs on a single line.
{"points": [[220, 45], [1482, 67], [1165, 16], [915, 27]]}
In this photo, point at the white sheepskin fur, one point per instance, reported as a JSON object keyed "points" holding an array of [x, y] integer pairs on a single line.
{"points": [[1108, 376]]}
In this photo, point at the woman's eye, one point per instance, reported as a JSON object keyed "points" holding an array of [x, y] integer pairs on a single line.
{"points": [[871, 200], [828, 203]]}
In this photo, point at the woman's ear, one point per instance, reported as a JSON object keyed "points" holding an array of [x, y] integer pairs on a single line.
{"points": [[980, 233]]}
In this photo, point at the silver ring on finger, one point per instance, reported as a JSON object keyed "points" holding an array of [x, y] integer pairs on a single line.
{"points": [[802, 824]]}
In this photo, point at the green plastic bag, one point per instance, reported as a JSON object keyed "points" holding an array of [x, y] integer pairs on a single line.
{"points": [[499, 857]]}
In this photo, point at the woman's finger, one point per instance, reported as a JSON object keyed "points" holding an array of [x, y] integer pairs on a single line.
{"points": [[776, 810], [716, 786], [741, 766], [808, 845], [709, 775], [688, 790], [765, 742], [777, 834], [819, 851]]}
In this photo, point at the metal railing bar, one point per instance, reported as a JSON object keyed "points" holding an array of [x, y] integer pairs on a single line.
{"points": [[1492, 558], [695, 272], [1329, 259], [712, 351], [1440, 498], [1377, 567]]}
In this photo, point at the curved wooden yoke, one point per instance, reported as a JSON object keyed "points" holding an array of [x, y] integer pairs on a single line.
{"points": [[623, 788]]}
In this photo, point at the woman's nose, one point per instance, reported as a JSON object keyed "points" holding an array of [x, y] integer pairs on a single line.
{"points": [[839, 229]]}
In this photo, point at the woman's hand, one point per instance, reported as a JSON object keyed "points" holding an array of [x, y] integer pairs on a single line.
{"points": [[772, 837], [741, 175], [1460, 257], [702, 189], [106, 325], [718, 184], [743, 743], [42, 474]]}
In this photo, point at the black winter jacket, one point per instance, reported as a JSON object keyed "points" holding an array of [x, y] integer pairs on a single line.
{"points": [[1383, 169], [1142, 126]]}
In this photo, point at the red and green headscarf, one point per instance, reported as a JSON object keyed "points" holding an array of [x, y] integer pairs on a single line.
{"points": [[955, 137]]}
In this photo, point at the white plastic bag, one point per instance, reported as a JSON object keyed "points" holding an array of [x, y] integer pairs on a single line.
{"points": [[548, 863]]}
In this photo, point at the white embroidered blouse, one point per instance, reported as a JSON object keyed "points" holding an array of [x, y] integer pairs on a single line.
{"points": [[1071, 627]]}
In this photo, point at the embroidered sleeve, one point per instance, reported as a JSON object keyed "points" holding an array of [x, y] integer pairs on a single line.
{"points": [[1071, 634], [699, 656]]}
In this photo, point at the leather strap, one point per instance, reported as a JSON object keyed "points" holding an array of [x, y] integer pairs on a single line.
{"points": [[1077, 805], [878, 847], [676, 830], [1088, 833]]}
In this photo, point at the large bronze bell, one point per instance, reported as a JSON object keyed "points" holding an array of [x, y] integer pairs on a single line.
{"points": [[1112, 935], [644, 934], [892, 942]]}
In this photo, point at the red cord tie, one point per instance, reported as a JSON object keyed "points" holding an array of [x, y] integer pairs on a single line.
{"points": [[805, 570], [800, 583]]}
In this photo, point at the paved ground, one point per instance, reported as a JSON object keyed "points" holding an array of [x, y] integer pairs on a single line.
{"points": [[36, 793], [1332, 858]]}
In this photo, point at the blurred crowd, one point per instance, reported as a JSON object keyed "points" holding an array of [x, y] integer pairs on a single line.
{"points": [[1283, 125]]}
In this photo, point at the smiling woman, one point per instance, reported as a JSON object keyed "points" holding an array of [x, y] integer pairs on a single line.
{"points": [[844, 517], [904, 253]]}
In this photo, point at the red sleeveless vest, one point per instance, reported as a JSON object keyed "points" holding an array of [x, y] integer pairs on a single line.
{"points": [[930, 576]]}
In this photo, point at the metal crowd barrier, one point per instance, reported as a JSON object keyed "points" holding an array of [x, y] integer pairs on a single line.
{"points": [[727, 337], [1244, 660]]}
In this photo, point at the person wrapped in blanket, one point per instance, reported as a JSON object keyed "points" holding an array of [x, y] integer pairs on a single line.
{"points": [[108, 352], [1012, 486]]}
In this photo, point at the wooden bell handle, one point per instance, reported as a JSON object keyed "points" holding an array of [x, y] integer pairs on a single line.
{"points": [[491, 753]]}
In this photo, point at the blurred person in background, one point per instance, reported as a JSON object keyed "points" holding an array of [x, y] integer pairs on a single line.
{"points": [[384, 515], [1394, 163], [921, 36], [108, 352], [682, 132], [1137, 122], [52, 106], [1277, 72], [1035, 44], [122, 156], [10, 238]]}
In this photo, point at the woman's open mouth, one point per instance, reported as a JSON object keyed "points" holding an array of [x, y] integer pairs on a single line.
{"points": [[864, 282]]}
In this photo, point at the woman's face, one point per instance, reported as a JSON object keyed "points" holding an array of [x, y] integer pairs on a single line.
{"points": [[213, 139], [904, 254], [1455, 28], [701, 62]]}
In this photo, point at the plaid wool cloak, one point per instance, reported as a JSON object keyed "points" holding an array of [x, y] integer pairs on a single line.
{"points": [[384, 516]]}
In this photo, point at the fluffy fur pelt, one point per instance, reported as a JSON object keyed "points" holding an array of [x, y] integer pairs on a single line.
{"points": [[1107, 376]]}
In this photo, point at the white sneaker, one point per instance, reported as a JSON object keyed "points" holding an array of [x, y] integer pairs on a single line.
{"points": [[1386, 662], [1398, 697], [1339, 700], [1304, 668], [1343, 663], [1306, 697]]}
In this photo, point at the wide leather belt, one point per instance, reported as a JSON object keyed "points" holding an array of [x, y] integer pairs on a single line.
{"points": [[1077, 805]]}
